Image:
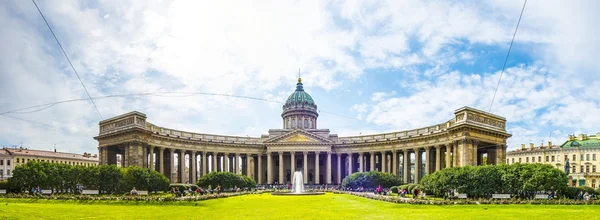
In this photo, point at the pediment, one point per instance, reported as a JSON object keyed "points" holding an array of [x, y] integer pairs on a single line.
{"points": [[298, 136]]}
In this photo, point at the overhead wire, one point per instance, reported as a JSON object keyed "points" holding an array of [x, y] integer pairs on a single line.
{"points": [[507, 54], [70, 63]]}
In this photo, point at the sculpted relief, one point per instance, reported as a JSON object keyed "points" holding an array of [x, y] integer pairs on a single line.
{"points": [[485, 120]]}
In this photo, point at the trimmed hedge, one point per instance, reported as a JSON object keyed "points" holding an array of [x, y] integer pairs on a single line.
{"points": [[64, 178], [370, 180], [394, 189], [226, 180]]}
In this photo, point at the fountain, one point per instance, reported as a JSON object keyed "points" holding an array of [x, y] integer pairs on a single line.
{"points": [[297, 187]]}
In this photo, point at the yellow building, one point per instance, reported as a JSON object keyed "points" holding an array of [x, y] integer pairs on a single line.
{"points": [[578, 156], [13, 157]]}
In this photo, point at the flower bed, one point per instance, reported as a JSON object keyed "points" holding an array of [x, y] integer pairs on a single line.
{"points": [[126, 198], [395, 199]]}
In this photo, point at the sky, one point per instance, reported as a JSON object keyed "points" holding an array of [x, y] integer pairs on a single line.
{"points": [[371, 66]]}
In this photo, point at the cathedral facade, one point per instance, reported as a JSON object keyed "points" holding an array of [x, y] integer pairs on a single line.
{"points": [[472, 137]]}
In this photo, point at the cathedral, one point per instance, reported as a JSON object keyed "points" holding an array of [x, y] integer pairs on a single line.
{"points": [[472, 137]]}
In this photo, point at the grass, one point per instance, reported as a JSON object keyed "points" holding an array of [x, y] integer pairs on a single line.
{"points": [[265, 206]]}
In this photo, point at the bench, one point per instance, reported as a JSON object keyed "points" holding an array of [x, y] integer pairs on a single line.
{"points": [[90, 192], [541, 196], [461, 196], [2, 191], [46, 191], [142, 193], [500, 196]]}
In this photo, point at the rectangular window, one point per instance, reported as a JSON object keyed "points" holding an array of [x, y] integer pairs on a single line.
{"points": [[574, 170], [547, 158], [519, 160], [587, 169], [574, 157], [552, 158], [17, 160], [566, 157], [527, 159], [594, 157], [593, 168], [8, 162], [507, 161], [513, 160], [1, 162], [533, 159], [581, 169], [540, 158], [581, 157], [587, 157]]}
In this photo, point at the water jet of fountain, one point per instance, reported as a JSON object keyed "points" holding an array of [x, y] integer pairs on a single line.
{"points": [[297, 183]]}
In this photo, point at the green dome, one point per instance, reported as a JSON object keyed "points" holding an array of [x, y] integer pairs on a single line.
{"points": [[299, 96]]}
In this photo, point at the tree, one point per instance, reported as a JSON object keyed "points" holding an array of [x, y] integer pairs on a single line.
{"points": [[111, 179], [226, 180]]}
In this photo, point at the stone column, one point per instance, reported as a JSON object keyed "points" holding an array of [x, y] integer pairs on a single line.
{"points": [[248, 167], [372, 159], [405, 167], [193, 167], [339, 168], [226, 163], [455, 155], [360, 162], [281, 174], [269, 168], [417, 166], [151, 163], [292, 164], [317, 179], [395, 162], [182, 173], [260, 173], [383, 161], [349, 164], [237, 164], [448, 155], [328, 168], [500, 154], [305, 167], [203, 172], [214, 160], [144, 156], [427, 161], [161, 160], [438, 164], [173, 173]]}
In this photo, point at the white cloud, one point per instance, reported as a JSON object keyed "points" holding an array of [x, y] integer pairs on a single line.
{"points": [[254, 49]]}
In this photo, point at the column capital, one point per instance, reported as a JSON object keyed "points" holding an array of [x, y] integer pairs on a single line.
{"points": [[328, 152], [279, 152], [360, 153], [305, 152], [437, 147], [394, 150]]}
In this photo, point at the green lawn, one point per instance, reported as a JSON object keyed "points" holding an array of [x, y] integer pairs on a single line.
{"points": [[265, 206]]}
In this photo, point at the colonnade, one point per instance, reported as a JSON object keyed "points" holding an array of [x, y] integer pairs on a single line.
{"points": [[318, 167]]}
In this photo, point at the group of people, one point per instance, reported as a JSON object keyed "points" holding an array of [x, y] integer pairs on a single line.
{"points": [[585, 196], [36, 190]]}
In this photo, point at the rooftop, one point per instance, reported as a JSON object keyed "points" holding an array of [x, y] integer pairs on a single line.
{"points": [[52, 154]]}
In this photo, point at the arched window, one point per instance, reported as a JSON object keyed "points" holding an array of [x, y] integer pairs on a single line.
{"points": [[310, 124], [293, 122], [289, 124], [305, 123], [299, 125]]}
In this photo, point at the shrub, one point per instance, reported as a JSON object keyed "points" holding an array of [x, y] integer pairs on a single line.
{"points": [[4, 184], [570, 192], [65, 178], [404, 187], [226, 180], [587, 189], [411, 187], [370, 180], [482, 181], [597, 191]]}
